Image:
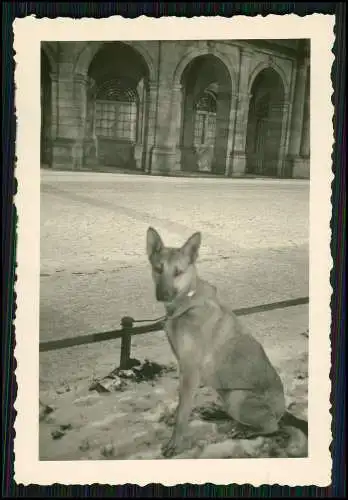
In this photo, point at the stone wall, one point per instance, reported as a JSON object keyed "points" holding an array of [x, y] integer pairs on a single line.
{"points": [[172, 75]]}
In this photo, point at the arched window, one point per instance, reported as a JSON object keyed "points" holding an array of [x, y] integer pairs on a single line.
{"points": [[205, 119], [116, 111]]}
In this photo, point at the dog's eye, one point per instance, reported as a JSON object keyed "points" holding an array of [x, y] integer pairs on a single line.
{"points": [[178, 272]]}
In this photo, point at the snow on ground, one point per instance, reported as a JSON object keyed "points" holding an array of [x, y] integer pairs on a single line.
{"points": [[94, 271], [130, 424]]}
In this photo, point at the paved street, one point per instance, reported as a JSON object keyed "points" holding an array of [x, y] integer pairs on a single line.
{"points": [[94, 268]]}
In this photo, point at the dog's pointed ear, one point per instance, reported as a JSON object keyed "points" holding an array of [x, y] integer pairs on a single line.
{"points": [[154, 242], [191, 247]]}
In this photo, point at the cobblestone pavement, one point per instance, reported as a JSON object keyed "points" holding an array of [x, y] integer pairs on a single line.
{"points": [[94, 268]]}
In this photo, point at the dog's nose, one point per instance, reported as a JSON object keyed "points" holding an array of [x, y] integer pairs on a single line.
{"points": [[161, 293]]}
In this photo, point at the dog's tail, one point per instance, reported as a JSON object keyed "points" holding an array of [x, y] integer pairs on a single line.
{"points": [[289, 419]]}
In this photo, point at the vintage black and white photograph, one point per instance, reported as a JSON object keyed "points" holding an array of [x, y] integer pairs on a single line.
{"points": [[217, 135], [174, 259]]}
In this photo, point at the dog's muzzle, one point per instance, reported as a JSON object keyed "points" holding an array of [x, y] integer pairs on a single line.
{"points": [[162, 294]]}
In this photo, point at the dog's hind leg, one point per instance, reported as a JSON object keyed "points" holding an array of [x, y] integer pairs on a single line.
{"points": [[255, 414]]}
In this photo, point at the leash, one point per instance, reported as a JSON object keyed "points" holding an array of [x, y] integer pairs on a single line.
{"points": [[162, 318], [127, 319]]}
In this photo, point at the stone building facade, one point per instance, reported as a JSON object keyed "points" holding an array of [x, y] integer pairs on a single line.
{"points": [[225, 107]]}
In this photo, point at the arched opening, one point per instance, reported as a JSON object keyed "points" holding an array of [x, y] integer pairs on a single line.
{"points": [[116, 127], [265, 121], [206, 87], [46, 109]]}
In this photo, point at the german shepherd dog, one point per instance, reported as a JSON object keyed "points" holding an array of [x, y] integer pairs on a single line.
{"points": [[212, 349]]}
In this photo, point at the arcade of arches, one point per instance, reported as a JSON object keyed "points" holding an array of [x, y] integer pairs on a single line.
{"points": [[221, 107]]}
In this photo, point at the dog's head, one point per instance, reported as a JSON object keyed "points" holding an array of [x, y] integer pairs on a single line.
{"points": [[173, 269]]}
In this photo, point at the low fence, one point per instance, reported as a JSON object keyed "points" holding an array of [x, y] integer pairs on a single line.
{"points": [[128, 330]]}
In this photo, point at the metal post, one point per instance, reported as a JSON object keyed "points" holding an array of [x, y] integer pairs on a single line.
{"points": [[127, 325]]}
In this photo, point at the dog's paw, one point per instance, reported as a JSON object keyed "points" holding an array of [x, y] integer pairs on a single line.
{"points": [[281, 437], [239, 432], [212, 413], [168, 417], [172, 447]]}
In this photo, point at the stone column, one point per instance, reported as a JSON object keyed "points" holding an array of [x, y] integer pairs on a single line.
{"points": [[281, 167], [231, 134], [80, 104], [223, 120], [305, 143], [54, 110], [48, 119], [67, 120], [294, 157], [188, 157], [90, 143], [68, 123], [52, 133], [164, 152], [139, 145], [303, 166], [238, 155], [238, 160], [151, 105], [176, 124]]}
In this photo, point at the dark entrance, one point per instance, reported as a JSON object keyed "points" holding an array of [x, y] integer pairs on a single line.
{"points": [[265, 124], [117, 106]]}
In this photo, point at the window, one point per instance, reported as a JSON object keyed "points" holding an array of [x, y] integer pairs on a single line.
{"points": [[116, 111], [199, 127], [205, 119]]}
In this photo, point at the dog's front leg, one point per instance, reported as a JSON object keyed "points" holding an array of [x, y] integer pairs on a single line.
{"points": [[188, 383]]}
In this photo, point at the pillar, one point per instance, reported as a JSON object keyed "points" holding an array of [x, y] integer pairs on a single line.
{"points": [[282, 160], [295, 161], [164, 151], [151, 105], [67, 122], [231, 134], [188, 157], [305, 142], [140, 145], [238, 160], [80, 105], [303, 165], [54, 110], [52, 133], [238, 154], [90, 144], [223, 122], [46, 121]]}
